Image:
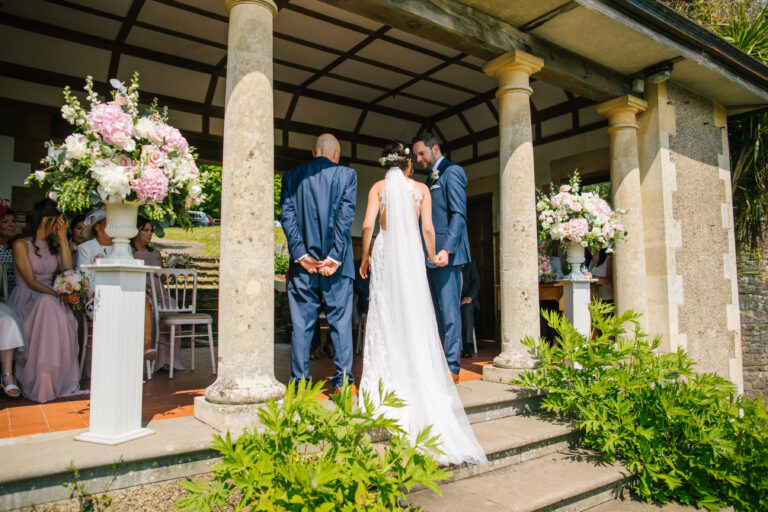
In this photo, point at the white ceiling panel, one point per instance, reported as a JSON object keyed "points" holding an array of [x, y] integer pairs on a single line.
{"points": [[289, 74], [295, 24], [438, 92], [165, 43], [545, 95], [390, 128], [61, 16], [282, 102], [220, 94], [414, 106], [399, 56], [345, 89], [452, 128], [299, 54], [362, 71], [422, 43], [479, 117], [199, 25], [119, 7], [168, 80], [214, 7], [455, 74], [34, 93], [556, 125], [185, 121], [325, 114], [336, 13]]}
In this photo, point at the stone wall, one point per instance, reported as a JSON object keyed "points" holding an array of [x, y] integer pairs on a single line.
{"points": [[753, 297], [706, 260]]}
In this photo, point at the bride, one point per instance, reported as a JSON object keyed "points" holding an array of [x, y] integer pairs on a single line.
{"points": [[402, 344]]}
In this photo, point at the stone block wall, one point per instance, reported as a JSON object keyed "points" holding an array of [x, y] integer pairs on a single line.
{"points": [[753, 297]]}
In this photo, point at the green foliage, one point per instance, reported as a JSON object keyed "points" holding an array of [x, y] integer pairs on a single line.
{"points": [[281, 263], [278, 189], [688, 437], [314, 458], [211, 175], [87, 501]]}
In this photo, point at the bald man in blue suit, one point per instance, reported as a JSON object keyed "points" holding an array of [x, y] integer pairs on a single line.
{"points": [[318, 206], [447, 184]]}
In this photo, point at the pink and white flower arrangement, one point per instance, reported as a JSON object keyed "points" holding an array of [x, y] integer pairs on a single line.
{"points": [[570, 215], [178, 260], [73, 281], [116, 154]]}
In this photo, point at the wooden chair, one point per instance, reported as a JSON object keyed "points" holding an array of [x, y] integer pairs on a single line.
{"points": [[174, 303]]}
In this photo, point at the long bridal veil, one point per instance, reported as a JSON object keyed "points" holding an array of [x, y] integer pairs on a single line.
{"points": [[402, 344]]}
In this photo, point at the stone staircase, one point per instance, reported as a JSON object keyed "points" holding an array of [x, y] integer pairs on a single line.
{"points": [[207, 272], [532, 462]]}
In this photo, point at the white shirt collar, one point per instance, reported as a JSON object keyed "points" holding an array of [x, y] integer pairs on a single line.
{"points": [[437, 163]]}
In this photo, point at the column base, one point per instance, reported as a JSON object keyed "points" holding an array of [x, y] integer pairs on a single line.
{"points": [[501, 375], [226, 417]]}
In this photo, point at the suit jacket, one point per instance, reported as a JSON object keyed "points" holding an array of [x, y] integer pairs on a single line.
{"points": [[470, 282], [318, 203], [449, 212]]}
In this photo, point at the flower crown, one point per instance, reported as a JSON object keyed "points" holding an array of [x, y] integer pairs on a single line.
{"points": [[393, 157]]}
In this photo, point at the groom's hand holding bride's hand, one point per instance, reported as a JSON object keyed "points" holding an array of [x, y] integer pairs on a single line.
{"points": [[441, 259]]}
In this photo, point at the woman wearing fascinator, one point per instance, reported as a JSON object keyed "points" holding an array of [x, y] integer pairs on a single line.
{"points": [[403, 350]]}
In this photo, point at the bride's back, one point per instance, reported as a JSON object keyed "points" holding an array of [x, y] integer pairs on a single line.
{"points": [[415, 190]]}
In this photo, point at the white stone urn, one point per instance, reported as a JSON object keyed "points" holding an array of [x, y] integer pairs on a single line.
{"points": [[574, 255], [121, 226]]}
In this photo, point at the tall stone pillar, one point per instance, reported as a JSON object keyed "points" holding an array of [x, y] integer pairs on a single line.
{"points": [[246, 327], [629, 270], [517, 219]]}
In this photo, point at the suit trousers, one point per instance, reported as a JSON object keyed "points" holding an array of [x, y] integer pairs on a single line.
{"points": [[468, 325], [445, 286], [305, 292]]}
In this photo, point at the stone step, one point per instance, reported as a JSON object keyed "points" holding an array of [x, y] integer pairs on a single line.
{"points": [[569, 480], [485, 401]]}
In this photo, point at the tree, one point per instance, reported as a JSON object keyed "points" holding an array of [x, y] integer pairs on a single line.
{"points": [[212, 190], [278, 189]]}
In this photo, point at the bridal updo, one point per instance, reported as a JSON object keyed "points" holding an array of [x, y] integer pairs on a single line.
{"points": [[395, 154]]}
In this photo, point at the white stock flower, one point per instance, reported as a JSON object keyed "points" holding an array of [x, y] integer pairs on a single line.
{"points": [[69, 114], [77, 146], [596, 231], [53, 196], [195, 191], [39, 175]]}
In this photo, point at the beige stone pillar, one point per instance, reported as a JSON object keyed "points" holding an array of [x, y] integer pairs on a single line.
{"points": [[629, 271], [517, 219], [246, 298]]}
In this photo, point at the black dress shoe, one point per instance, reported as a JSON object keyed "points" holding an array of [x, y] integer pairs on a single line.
{"points": [[466, 353]]}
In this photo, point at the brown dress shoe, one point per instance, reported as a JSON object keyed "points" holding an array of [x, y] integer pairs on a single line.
{"points": [[455, 377], [338, 390]]}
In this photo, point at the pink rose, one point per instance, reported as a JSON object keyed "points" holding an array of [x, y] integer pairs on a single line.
{"points": [[119, 100], [576, 228], [156, 134], [68, 287], [108, 119], [124, 160], [151, 185], [174, 140], [124, 141], [565, 188], [152, 155]]}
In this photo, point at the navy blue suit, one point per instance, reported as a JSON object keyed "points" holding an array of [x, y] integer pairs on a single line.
{"points": [[318, 204], [449, 215]]}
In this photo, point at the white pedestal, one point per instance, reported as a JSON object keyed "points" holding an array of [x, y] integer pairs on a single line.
{"points": [[576, 297], [118, 353]]}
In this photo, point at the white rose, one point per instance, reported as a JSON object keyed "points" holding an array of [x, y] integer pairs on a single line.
{"points": [[77, 146], [596, 231], [142, 127], [53, 196], [39, 175]]}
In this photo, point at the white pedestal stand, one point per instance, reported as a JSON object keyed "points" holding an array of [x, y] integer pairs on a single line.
{"points": [[576, 297], [118, 354]]}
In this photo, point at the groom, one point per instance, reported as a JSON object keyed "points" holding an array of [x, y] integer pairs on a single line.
{"points": [[447, 184], [318, 205]]}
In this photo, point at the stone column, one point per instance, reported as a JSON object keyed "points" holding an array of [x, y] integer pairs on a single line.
{"points": [[629, 271], [246, 328], [517, 220]]}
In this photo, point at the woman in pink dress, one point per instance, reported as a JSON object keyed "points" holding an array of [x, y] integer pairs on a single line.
{"points": [[49, 368]]}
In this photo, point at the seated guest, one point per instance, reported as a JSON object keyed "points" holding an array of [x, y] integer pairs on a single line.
{"points": [[49, 367], [78, 233], [98, 246], [600, 267], [145, 252], [470, 288], [556, 268], [11, 337], [7, 232]]}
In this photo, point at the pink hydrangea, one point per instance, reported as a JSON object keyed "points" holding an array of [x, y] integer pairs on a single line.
{"points": [[575, 229], [563, 198], [600, 206], [111, 123], [168, 138], [152, 185]]}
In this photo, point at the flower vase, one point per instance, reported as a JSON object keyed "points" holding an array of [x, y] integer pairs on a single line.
{"points": [[121, 226], [575, 257]]}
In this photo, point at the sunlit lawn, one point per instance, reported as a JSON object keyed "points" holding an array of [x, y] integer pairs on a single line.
{"points": [[209, 237]]}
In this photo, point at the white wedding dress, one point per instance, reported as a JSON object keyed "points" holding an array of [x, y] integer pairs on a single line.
{"points": [[402, 344]]}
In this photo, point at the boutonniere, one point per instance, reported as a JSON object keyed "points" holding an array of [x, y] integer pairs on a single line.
{"points": [[435, 174]]}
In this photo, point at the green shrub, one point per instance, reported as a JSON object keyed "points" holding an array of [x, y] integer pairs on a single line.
{"points": [[317, 459], [688, 437], [281, 263]]}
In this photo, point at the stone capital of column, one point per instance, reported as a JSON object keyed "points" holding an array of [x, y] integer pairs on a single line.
{"points": [[514, 60], [623, 106], [267, 4]]}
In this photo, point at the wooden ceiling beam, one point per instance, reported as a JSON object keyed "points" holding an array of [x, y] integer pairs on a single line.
{"points": [[122, 35]]}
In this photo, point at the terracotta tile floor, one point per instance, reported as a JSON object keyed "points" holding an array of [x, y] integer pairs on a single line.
{"points": [[165, 398]]}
